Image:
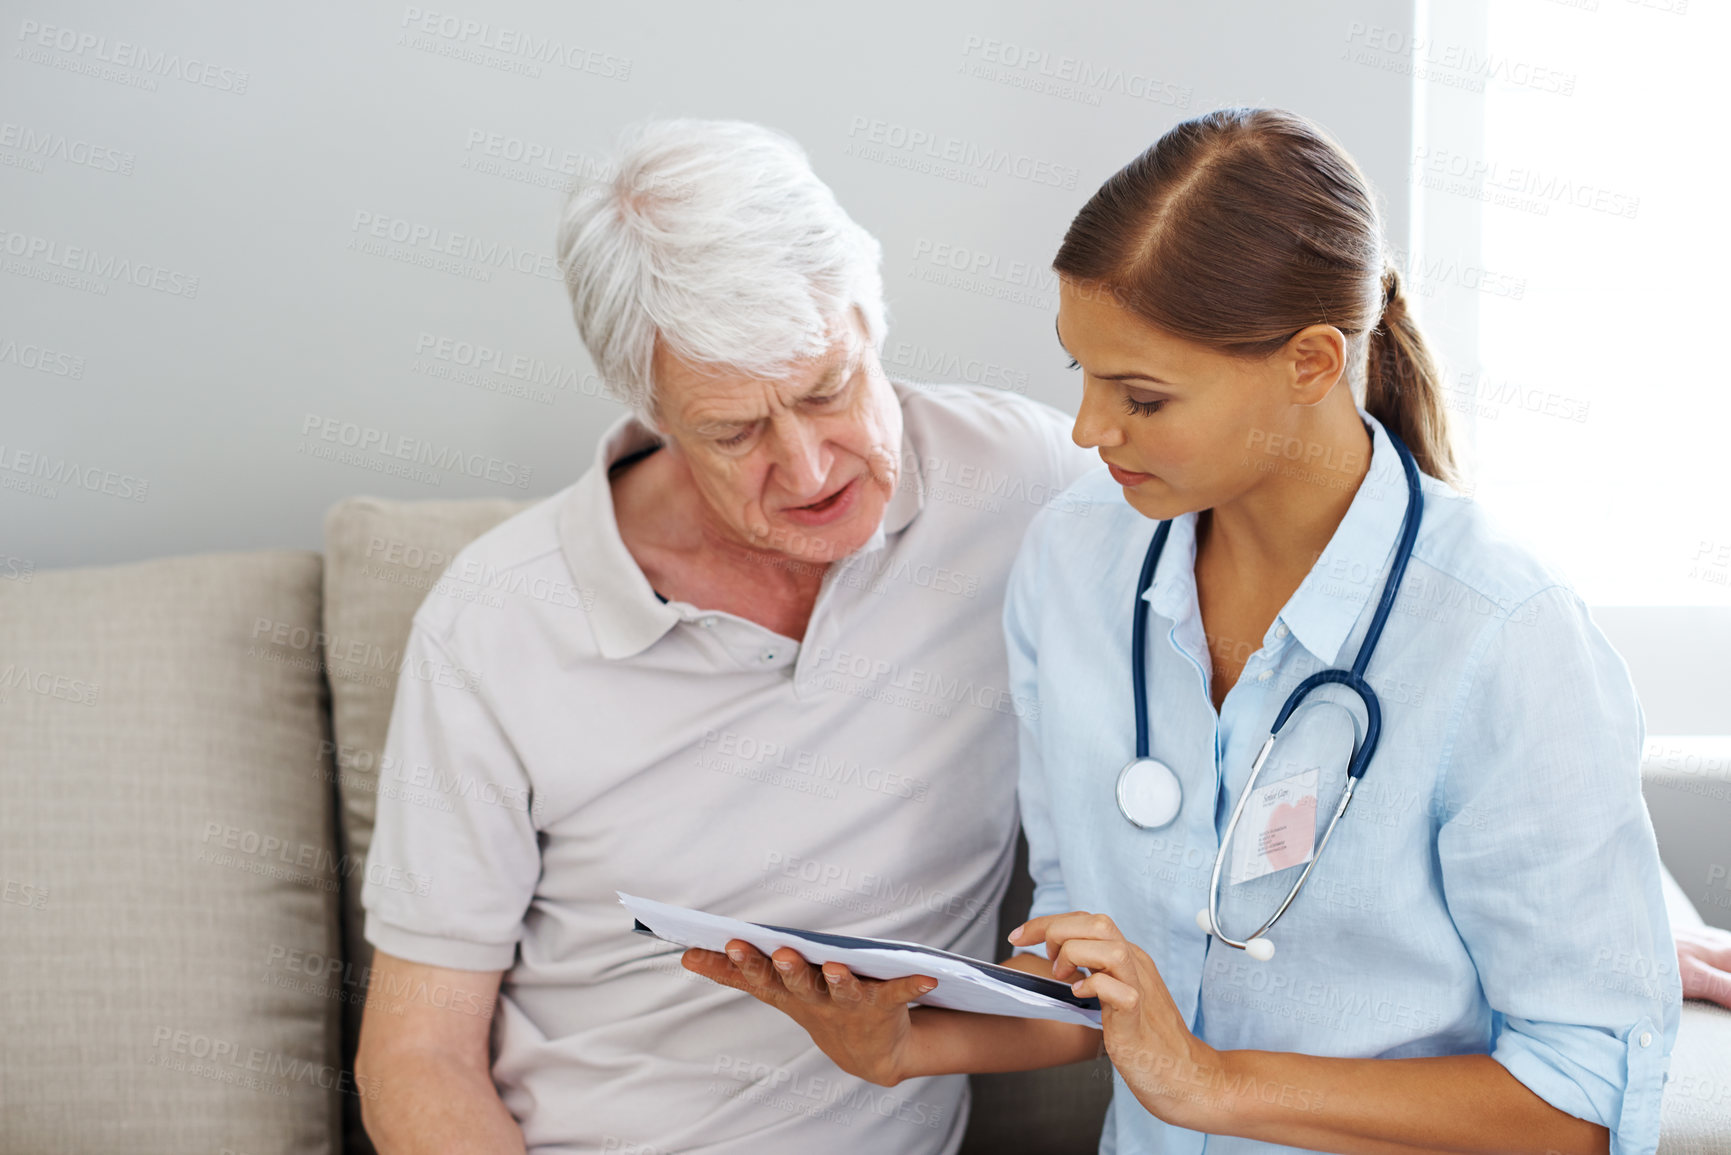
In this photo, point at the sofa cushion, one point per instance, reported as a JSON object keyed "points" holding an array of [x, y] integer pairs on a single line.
{"points": [[1686, 781], [167, 860], [381, 559], [1695, 1117]]}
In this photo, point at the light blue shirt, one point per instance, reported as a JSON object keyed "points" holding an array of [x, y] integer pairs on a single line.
{"points": [[1494, 886]]}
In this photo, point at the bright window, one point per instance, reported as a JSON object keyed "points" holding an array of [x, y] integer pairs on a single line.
{"points": [[1601, 402]]}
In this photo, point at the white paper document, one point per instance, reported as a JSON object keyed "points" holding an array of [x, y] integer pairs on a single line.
{"points": [[964, 984]]}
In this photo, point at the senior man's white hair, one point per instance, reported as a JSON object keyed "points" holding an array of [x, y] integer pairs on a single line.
{"points": [[716, 237]]}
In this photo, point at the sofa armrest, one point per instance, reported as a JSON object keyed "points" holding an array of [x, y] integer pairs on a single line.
{"points": [[1687, 784]]}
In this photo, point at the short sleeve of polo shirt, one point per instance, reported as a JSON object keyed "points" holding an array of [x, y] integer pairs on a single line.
{"points": [[454, 859]]}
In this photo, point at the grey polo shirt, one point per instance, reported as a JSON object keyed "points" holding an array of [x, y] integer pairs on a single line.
{"points": [[861, 780]]}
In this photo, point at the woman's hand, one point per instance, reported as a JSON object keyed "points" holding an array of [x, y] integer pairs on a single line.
{"points": [[862, 1024], [1177, 1076]]}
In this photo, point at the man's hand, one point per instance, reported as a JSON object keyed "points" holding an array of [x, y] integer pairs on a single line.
{"points": [[862, 1024], [1704, 963]]}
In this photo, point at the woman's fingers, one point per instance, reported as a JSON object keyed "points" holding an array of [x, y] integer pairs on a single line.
{"points": [[1056, 929], [1112, 993], [1034, 930], [1114, 955]]}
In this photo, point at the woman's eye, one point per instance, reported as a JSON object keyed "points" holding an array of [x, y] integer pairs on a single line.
{"points": [[736, 440], [1141, 408], [1073, 364]]}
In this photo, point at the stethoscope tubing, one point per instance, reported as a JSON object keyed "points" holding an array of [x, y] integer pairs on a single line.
{"points": [[1353, 679]]}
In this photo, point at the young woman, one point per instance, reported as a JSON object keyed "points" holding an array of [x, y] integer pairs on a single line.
{"points": [[1478, 957]]}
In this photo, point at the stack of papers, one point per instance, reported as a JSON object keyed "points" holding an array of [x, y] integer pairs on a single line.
{"points": [[964, 984]]}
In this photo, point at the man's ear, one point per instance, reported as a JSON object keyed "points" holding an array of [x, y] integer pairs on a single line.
{"points": [[1315, 359]]}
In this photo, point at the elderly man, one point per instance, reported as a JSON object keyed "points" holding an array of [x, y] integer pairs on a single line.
{"points": [[772, 684]]}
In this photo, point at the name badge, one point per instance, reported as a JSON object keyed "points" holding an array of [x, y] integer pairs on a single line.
{"points": [[1277, 828]]}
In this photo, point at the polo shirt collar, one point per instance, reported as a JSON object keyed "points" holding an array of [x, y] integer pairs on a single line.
{"points": [[626, 616]]}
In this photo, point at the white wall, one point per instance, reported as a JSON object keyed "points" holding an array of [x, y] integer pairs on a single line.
{"points": [[189, 407], [229, 150]]}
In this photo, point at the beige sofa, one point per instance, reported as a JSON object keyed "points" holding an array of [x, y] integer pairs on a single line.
{"points": [[188, 766]]}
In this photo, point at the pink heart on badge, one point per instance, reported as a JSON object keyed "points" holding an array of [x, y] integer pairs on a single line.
{"points": [[1291, 829]]}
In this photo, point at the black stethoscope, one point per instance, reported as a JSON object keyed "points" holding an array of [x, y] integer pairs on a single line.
{"points": [[1149, 793]]}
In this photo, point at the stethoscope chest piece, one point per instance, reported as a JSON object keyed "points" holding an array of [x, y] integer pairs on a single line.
{"points": [[1149, 794]]}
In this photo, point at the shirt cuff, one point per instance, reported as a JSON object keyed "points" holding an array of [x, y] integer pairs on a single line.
{"points": [[1637, 1129], [1632, 1117], [437, 951]]}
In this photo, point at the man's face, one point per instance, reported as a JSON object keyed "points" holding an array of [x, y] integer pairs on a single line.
{"points": [[801, 464]]}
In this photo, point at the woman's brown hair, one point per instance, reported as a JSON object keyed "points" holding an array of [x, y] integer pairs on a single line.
{"points": [[1240, 227]]}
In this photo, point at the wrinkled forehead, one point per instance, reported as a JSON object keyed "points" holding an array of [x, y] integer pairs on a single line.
{"points": [[698, 393]]}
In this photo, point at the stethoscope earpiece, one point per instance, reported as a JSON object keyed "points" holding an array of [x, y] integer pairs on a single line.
{"points": [[1257, 948]]}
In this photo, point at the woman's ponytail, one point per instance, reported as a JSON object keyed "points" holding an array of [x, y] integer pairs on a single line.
{"points": [[1238, 228], [1403, 386]]}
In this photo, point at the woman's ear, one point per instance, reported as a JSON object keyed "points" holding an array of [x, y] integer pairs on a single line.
{"points": [[1315, 361]]}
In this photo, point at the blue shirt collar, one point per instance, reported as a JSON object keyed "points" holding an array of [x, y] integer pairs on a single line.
{"points": [[1321, 614], [1349, 574]]}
